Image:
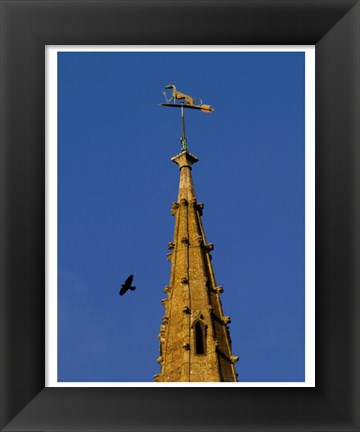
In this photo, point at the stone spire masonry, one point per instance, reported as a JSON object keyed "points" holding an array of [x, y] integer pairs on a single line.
{"points": [[195, 344]]}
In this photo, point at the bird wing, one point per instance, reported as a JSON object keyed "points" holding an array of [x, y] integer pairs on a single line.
{"points": [[129, 280], [123, 290]]}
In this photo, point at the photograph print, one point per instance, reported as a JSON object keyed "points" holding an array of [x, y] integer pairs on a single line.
{"points": [[184, 217]]}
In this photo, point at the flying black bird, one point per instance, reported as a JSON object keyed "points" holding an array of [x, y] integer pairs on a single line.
{"points": [[127, 285]]}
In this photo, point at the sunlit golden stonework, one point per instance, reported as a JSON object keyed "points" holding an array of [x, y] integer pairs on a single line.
{"points": [[195, 344]]}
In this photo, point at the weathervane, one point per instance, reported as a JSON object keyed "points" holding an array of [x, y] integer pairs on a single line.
{"points": [[188, 102]]}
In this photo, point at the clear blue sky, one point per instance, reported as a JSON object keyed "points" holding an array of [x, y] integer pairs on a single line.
{"points": [[116, 184]]}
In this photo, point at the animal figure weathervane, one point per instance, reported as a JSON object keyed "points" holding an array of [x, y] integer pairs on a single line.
{"points": [[187, 102]]}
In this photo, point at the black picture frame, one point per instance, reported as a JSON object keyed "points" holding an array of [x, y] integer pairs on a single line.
{"points": [[26, 28]]}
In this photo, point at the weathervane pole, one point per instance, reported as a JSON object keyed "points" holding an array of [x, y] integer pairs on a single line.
{"points": [[183, 138]]}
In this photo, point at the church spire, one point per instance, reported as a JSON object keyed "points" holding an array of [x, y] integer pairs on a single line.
{"points": [[194, 336], [195, 344]]}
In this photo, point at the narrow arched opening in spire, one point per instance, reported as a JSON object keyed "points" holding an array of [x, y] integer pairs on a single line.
{"points": [[199, 338]]}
